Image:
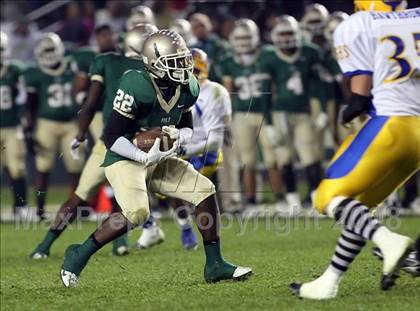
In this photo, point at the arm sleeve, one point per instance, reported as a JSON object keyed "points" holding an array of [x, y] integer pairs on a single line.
{"points": [[97, 69], [115, 141], [354, 45], [30, 80]]}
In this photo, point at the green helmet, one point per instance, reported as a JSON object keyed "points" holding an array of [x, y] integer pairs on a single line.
{"points": [[166, 56]]}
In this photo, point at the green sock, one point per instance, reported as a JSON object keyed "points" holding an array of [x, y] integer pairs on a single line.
{"points": [[49, 239], [212, 250], [88, 248]]}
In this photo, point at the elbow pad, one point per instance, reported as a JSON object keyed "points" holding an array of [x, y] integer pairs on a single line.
{"points": [[355, 106]]}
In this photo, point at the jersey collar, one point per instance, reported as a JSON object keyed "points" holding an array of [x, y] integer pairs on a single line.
{"points": [[167, 106], [289, 58]]}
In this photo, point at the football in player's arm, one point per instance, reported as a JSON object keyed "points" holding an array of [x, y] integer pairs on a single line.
{"points": [[105, 73], [160, 96]]}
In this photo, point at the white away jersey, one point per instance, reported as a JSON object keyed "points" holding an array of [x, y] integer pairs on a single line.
{"points": [[211, 113], [387, 46]]}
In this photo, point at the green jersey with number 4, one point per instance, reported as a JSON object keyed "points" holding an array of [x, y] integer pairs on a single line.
{"points": [[54, 89], [139, 98], [295, 77], [108, 68], [9, 80], [251, 84]]}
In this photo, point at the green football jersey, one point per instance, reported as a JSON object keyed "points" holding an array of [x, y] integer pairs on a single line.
{"points": [[84, 58], [295, 77], [251, 84], [55, 101], [108, 68], [139, 98], [9, 80]]}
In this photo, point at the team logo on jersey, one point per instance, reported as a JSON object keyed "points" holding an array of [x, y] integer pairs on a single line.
{"points": [[341, 52]]}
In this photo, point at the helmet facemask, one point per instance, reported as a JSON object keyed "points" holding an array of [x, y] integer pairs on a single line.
{"points": [[177, 67], [49, 51]]}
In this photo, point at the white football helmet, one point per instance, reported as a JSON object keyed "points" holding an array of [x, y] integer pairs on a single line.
{"points": [[183, 27], [166, 56], [140, 15], [4, 49], [245, 36], [286, 34], [49, 51], [134, 39], [315, 19], [335, 19]]}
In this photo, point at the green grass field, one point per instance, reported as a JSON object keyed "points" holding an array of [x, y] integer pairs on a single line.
{"points": [[169, 278]]}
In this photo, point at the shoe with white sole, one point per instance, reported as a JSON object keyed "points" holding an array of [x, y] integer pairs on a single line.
{"points": [[394, 248], [72, 266], [150, 237], [222, 270], [411, 263], [38, 255], [322, 288]]}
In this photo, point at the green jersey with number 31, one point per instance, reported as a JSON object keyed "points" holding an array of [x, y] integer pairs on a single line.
{"points": [[54, 89], [139, 98]]}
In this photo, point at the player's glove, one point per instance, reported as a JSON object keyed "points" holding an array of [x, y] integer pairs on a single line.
{"points": [[155, 155], [74, 147], [30, 141], [183, 136], [356, 106], [271, 135], [321, 121]]}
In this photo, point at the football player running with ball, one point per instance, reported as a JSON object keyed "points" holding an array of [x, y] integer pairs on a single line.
{"points": [[106, 70], [379, 52], [51, 112], [162, 95]]}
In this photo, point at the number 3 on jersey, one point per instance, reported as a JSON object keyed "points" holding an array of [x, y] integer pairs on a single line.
{"points": [[405, 68], [123, 103], [59, 95]]}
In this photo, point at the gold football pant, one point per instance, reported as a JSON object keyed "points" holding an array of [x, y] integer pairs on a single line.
{"points": [[173, 177], [96, 126], [248, 130], [93, 175], [12, 151], [54, 136], [374, 162]]}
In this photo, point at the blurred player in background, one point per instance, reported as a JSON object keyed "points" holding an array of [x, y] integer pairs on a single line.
{"points": [[160, 96], [211, 113], [292, 67], [208, 41], [249, 86], [183, 27], [11, 140], [105, 40], [105, 73], [51, 110], [380, 53]]}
